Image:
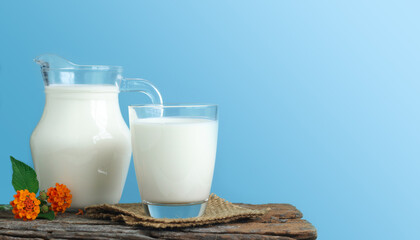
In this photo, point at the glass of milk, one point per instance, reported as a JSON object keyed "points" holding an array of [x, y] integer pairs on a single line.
{"points": [[174, 151]]}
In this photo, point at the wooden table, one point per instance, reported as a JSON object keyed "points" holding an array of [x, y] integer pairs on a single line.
{"points": [[282, 222]]}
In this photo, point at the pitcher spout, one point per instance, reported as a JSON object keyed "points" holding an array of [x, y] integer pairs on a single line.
{"points": [[47, 61], [58, 70]]}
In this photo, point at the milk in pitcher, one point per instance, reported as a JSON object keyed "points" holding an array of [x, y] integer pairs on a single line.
{"points": [[82, 141]]}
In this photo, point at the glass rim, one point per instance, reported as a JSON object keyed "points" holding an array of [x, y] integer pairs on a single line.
{"points": [[174, 105]]}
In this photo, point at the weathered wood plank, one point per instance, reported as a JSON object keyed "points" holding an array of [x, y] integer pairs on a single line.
{"points": [[281, 211], [218, 236], [294, 228], [5, 237], [282, 222]]}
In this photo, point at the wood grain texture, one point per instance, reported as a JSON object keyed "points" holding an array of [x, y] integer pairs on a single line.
{"points": [[282, 222]]}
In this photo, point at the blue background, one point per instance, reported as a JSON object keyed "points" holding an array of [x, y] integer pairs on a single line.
{"points": [[319, 100]]}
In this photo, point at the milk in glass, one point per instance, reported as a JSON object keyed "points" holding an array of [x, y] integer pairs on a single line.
{"points": [[174, 158]]}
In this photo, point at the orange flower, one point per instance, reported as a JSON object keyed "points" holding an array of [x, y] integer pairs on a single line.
{"points": [[25, 205], [59, 197]]}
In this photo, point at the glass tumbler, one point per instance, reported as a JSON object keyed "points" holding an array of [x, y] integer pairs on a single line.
{"points": [[174, 152]]}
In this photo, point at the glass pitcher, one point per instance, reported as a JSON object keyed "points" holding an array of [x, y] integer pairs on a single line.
{"points": [[82, 140]]}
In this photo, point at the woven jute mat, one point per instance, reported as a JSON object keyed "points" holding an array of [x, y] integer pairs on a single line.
{"points": [[218, 211]]}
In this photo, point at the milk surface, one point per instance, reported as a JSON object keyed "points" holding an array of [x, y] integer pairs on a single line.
{"points": [[174, 158], [82, 141]]}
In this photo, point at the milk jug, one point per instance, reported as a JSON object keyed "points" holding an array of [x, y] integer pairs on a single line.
{"points": [[82, 140]]}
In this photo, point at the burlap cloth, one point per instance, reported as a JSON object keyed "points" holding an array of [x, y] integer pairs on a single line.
{"points": [[218, 211]]}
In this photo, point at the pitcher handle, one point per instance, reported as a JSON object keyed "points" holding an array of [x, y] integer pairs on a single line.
{"points": [[143, 86]]}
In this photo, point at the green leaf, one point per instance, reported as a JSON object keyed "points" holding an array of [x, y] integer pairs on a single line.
{"points": [[49, 215], [5, 207], [24, 177]]}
